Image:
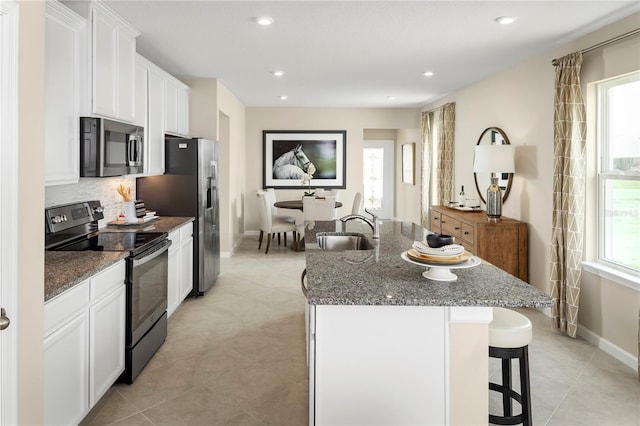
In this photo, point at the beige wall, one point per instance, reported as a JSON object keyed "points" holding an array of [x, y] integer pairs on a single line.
{"points": [[215, 113], [354, 120], [520, 101], [30, 320], [407, 202], [231, 133]]}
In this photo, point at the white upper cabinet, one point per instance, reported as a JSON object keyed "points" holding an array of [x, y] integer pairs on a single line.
{"points": [[64, 36], [155, 120], [140, 115], [177, 107], [113, 44]]}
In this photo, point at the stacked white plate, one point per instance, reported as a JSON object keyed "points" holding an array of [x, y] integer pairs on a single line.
{"points": [[445, 251]]}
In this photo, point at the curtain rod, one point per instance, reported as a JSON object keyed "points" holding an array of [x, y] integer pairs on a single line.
{"points": [[604, 43]]}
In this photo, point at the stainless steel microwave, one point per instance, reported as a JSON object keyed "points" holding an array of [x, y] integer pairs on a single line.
{"points": [[110, 148]]}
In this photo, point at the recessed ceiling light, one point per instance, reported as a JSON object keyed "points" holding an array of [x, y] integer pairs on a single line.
{"points": [[506, 20], [391, 97], [278, 73], [264, 20], [283, 97], [428, 73]]}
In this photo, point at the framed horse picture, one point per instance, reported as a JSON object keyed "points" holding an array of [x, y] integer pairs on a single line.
{"points": [[291, 157]]}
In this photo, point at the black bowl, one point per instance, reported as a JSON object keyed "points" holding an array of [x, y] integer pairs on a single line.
{"points": [[439, 240]]}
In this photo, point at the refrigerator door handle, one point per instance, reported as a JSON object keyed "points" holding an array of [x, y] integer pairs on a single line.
{"points": [[209, 193]]}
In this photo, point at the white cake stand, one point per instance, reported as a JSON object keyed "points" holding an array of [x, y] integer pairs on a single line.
{"points": [[440, 272]]}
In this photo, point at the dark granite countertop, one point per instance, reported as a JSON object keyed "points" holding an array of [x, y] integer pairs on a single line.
{"points": [[65, 269], [161, 224], [381, 277]]}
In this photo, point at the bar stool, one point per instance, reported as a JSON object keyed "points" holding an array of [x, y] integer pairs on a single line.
{"points": [[509, 336]]}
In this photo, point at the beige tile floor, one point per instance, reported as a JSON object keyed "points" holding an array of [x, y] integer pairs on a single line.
{"points": [[236, 356]]}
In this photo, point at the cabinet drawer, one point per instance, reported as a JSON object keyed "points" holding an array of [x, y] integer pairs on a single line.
{"points": [[65, 306], [186, 231], [107, 280], [450, 226], [435, 223], [467, 232]]}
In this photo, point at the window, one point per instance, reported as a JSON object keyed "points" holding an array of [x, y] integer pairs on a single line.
{"points": [[619, 172]]}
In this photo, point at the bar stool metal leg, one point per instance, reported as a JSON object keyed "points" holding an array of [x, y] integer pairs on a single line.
{"points": [[506, 388]]}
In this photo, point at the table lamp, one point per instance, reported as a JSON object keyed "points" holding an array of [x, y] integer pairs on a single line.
{"points": [[494, 159]]}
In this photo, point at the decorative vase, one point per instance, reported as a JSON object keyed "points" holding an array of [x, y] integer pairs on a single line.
{"points": [[494, 200]]}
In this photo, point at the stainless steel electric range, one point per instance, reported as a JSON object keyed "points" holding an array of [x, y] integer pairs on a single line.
{"points": [[74, 227]]}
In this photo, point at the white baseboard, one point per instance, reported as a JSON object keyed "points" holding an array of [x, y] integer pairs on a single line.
{"points": [[251, 233], [614, 350], [595, 339]]}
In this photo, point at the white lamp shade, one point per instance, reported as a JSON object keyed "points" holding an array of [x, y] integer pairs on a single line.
{"points": [[494, 159]]}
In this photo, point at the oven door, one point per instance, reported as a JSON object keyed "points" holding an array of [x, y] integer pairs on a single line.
{"points": [[147, 290]]}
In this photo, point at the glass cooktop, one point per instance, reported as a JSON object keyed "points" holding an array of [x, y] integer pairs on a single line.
{"points": [[114, 241]]}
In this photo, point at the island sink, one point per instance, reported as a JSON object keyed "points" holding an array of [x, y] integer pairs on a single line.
{"points": [[340, 241]]}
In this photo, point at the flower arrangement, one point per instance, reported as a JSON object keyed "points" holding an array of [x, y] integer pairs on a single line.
{"points": [[306, 180]]}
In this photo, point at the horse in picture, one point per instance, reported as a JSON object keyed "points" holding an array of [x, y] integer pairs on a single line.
{"points": [[293, 164]]}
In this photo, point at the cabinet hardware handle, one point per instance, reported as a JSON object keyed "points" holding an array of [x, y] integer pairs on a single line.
{"points": [[456, 228], [4, 321]]}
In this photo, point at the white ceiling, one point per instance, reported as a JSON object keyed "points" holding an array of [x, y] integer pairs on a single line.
{"points": [[354, 53]]}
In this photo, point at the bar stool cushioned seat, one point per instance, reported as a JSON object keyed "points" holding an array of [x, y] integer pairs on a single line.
{"points": [[509, 336]]}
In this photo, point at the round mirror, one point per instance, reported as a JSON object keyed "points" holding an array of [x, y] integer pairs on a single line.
{"points": [[493, 136]]}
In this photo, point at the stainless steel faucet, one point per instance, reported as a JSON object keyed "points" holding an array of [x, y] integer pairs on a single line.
{"points": [[373, 222]]}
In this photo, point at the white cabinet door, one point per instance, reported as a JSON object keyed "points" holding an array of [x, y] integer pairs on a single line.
{"points": [[140, 116], [177, 107], [126, 76], [107, 341], [155, 124], [183, 112], [66, 373], [391, 357], [104, 65], [113, 64], [63, 32], [173, 274], [186, 280], [171, 106]]}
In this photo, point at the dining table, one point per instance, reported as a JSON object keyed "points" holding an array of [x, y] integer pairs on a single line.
{"points": [[296, 204]]}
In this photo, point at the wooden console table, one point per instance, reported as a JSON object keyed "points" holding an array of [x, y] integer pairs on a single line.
{"points": [[502, 243]]}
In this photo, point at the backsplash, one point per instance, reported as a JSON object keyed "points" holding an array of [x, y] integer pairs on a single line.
{"points": [[103, 189]]}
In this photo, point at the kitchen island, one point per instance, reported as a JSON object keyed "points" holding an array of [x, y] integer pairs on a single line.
{"points": [[388, 346]]}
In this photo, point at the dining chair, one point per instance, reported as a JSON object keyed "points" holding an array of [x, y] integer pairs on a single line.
{"points": [[357, 203], [275, 212], [319, 208], [270, 224]]}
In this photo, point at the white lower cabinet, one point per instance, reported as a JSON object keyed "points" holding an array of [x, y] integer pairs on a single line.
{"points": [[186, 263], [380, 365], [84, 345], [66, 361], [180, 274], [107, 340]]}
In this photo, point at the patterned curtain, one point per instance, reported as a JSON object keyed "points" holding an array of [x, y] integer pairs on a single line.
{"points": [[427, 149], [567, 239], [446, 132]]}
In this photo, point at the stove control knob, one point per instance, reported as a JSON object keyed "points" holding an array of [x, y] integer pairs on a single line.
{"points": [[64, 217], [56, 219]]}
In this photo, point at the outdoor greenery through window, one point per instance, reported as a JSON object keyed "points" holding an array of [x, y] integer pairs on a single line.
{"points": [[619, 172]]}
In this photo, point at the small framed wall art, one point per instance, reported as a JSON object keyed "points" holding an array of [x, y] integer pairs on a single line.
{"points": [[408, 153]]}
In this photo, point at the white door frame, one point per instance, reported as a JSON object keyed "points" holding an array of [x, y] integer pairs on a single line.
{"points": [[8, 208], [388, 203]]}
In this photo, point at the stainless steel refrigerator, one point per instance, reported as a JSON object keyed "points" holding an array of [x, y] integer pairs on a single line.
{"points": [[189, 188]]}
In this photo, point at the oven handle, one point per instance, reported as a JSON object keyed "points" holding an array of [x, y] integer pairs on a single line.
{"points": [[145, 257]]}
